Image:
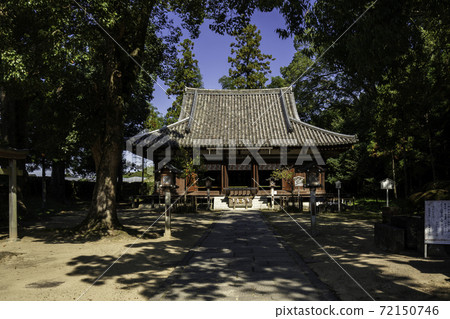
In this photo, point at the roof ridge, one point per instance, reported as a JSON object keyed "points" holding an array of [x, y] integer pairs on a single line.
{"points": [[285, 90], [284, 112]]}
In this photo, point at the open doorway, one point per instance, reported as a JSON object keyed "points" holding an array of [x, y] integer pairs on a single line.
{"points": [[240, 178]]}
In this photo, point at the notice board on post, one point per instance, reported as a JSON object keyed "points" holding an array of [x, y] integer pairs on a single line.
{"points": [[437, 222]]}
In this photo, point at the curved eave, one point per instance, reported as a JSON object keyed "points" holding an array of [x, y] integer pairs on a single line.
{"points": [[156, 133], [335, 138]]}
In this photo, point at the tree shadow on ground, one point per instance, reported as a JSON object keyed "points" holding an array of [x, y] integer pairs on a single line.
{"points": [[61, 228], [142, 265], [240, 261], [351, 243]]}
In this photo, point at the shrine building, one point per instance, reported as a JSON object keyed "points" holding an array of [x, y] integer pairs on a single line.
{"points": [[238, 138]]}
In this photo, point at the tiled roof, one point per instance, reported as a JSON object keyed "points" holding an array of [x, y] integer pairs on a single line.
{"points": [[240, 118]]}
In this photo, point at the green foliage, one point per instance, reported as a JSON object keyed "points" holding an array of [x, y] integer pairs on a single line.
{"points": [[249, 66], [70, 86], [230, 16], [382, 80], [185, 73], [226, 83], [285, 173], [418, 199], [192, 168], [155, 119]]}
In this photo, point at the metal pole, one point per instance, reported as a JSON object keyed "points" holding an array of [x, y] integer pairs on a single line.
{"points": [[312, 208], [12, 200], [167, 230], [339, 200]]}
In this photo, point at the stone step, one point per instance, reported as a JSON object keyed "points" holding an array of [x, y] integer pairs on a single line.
{"points": [[258, 202]]}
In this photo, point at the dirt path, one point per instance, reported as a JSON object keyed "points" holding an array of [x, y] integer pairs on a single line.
{"points": [[349, 239], [39, 267]]}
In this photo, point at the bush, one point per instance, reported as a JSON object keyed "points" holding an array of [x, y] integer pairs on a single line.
{"points": [[439, 190], [417, 200]]}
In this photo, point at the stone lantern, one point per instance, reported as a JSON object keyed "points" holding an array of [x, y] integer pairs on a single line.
{"points": [[338, 187], [208, 183], [167, 184], [313, 177], [271, 181], [313, 182]]}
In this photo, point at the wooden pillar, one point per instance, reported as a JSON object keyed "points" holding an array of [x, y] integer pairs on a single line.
{"points": [[256, 175], [253, 176], [12, 200], [222, 178]]}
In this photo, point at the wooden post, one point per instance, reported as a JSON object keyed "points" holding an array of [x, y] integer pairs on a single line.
{"points": [[312, 208], [209, 199], [12, 200], [167, 230]]}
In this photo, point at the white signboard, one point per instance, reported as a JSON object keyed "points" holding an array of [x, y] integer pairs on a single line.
{"points": [[387, 184], [298, 180], [437, 222]]}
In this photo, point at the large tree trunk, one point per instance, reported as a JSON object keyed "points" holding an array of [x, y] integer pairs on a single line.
{"points": [[107, 148], [393, 175], [106, 151], [430, 149], [102, 214], [119, 194]]}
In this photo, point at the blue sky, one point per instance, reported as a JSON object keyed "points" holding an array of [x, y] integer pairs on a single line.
{"points": [[212, 51]]}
